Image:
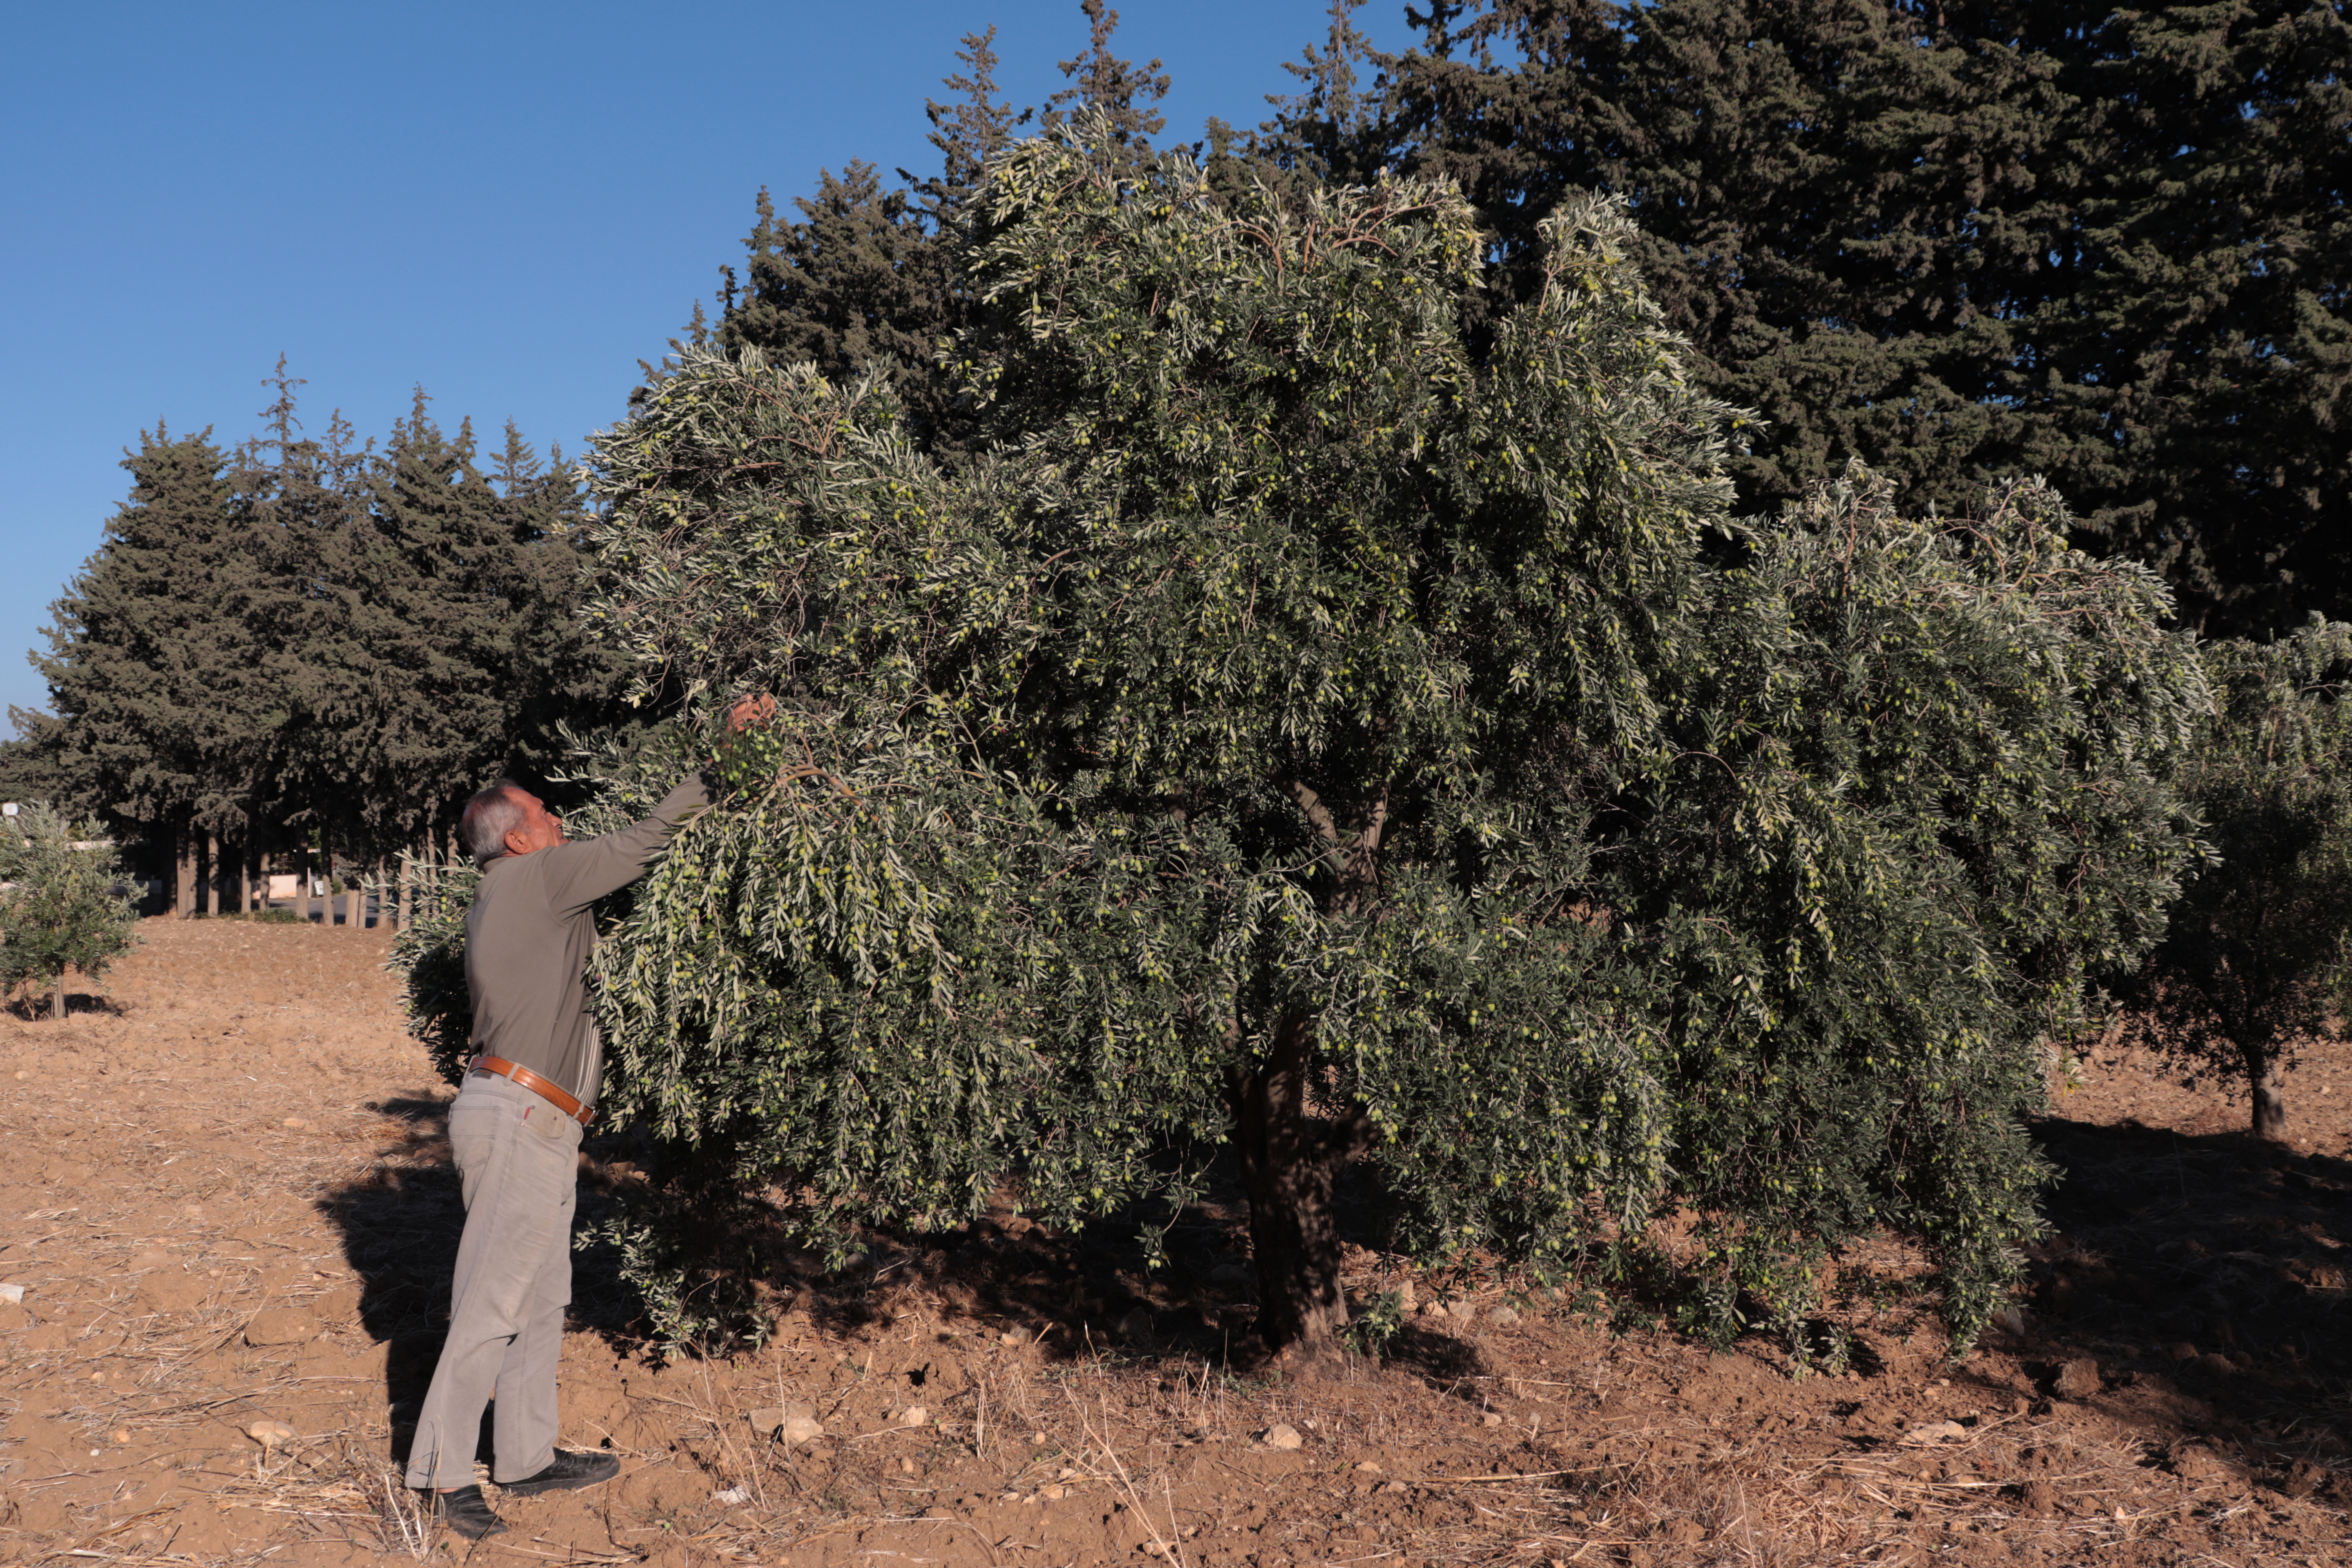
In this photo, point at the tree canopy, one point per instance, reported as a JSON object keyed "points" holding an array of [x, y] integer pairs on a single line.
{"points": [[1316, 726]]}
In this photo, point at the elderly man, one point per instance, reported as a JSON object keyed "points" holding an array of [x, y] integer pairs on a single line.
{"points": [[515, 1130]]}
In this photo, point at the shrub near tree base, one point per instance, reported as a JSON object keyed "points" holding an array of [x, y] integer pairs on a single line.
{"points": [[1308, 733]]}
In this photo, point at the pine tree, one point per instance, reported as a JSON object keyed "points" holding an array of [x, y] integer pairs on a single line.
{"points": [[2195, 377], [304, 500], [1963, 241], [859, 279], [153, 673], [869, 275], [1116, 89]]}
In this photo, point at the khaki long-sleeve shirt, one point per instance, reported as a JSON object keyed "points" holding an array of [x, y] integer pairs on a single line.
{"points": [[528, 935]]}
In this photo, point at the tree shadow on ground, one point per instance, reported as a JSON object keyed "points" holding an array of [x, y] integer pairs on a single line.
{"points": [[1086, 1293], [2207, 1275], [33, 1007]]}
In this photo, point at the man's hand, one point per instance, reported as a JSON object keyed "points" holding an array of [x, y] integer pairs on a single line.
{"points": [[750, 711]]}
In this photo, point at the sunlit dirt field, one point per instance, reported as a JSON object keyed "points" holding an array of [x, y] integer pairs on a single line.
{"points": [[227, 1197]]}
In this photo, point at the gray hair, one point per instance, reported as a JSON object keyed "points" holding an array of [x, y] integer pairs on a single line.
{"points": [[490, 817]]}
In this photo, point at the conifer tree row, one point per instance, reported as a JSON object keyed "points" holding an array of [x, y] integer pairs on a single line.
{"points": [[1961, 239], [306, 643]]}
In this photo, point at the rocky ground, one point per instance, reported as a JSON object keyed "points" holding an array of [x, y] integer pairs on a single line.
{"points": [[226, 1200]]}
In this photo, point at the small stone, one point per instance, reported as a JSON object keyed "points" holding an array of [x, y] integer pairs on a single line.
{"points": [[293, 1121], [12, 1294], [914, 1416], [1395, 1489], [2010, 1321], [2077, 1380], [1491, 1418], [1936, 1432], [1462, 1313], [1407, 1298], [788, 1424], [1503, 1317], [1054, 1493], [2181, 1349], [1368, 1467], [280, 1326], [270, 1434], [730, 1497], [1037, 1439], [1012, 1337], [2219, 1364], [1282, 1434], [2040, 1497], [1432, 1309]]}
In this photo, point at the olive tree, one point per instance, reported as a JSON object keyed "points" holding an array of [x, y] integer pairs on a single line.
{"points": [[66, 903], [1315, 730], [1215, 763], [2257, 955]]}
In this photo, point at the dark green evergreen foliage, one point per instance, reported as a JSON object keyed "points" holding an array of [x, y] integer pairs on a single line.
{"points": [[314, 637], [2257, 959], [1312, 731], [471, 593], [1120, 91], [859, 279], [152, 669], [2198, 372], [1962, 241], [67, 905], [871, 277]]}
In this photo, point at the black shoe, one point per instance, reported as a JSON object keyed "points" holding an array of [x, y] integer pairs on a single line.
{"points": [[466, 1513], [568, 1469]]}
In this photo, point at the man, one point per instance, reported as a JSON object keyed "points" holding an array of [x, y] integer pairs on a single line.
{"points": [[515, 1130]]}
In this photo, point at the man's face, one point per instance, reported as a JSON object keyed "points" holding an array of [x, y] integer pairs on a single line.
{"points": [[540, 829]]}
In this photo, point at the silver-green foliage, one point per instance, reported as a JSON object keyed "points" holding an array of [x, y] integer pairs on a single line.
{"points": [[70, 904], [1314, 730], [1921, 804], [1258, 687]]}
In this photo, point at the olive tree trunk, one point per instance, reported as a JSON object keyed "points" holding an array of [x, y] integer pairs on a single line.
{"points": [[1291, 1158], [2266, 1090]]}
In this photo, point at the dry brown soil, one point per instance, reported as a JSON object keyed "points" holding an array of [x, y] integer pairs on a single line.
{"points": [[225, 1194]]}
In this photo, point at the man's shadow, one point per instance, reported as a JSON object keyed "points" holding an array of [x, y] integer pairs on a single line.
{"points": [[400, 1223]]}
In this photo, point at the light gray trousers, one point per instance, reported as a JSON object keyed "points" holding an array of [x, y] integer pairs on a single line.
{"points": [[517, 1159]]}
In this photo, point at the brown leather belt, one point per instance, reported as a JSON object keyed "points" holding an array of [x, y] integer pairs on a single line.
{"points": [[545, 1089]]}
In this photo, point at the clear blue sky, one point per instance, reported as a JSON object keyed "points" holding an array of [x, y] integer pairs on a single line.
{"points": [[510, 204]]}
